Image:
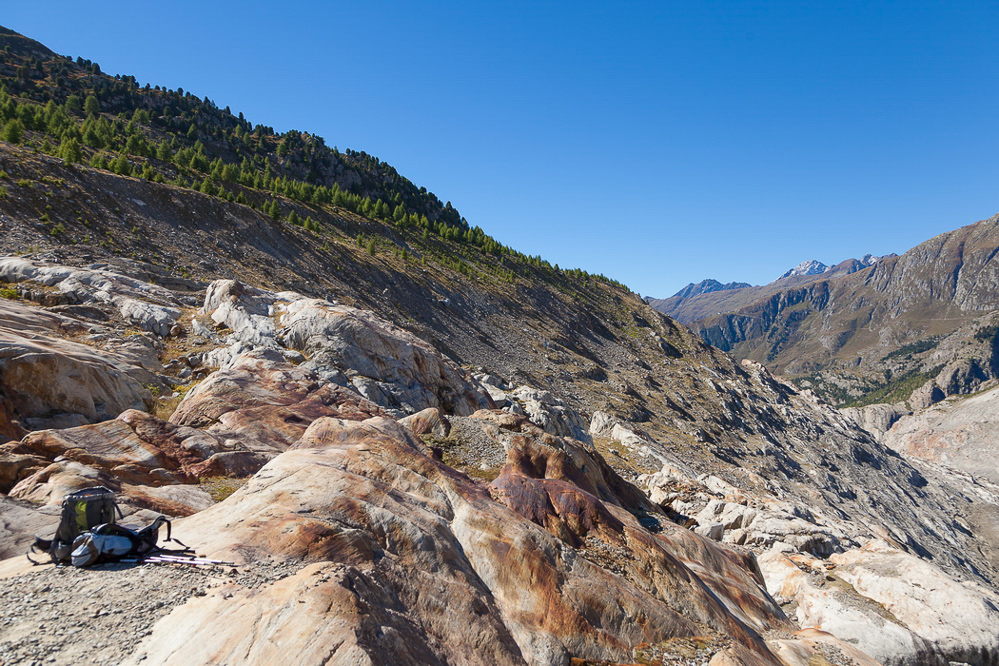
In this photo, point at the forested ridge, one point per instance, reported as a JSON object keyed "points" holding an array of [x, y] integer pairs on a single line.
{"points": [[71, 109]]}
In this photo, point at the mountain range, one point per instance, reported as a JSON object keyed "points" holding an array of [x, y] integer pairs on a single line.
{"points": [[403, 442], [857, 332]]}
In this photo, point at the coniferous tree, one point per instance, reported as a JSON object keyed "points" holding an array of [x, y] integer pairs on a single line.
{"points": [[163, 151], [73, 105], [70, 151], [14, 131], [121, 166], [99, 161], [91, 106]]}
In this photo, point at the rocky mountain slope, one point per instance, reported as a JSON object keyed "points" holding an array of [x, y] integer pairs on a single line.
{"points": [[415, 447]]}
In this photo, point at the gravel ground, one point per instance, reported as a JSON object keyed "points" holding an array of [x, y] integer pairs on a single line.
{"points": [[65, 615], [477, 445]]}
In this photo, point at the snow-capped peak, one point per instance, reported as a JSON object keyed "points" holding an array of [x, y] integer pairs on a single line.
{"points": [[812, 267]]}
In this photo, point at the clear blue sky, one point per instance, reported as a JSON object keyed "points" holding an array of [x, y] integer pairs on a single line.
{"points": [[659, 143]]}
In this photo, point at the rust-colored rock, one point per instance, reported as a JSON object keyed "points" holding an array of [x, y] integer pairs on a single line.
{"points": [[501, 419], [51, 484], [103, 445], [255, 379], [378, 517], [263, 405], [41, 375], [9, 428]]}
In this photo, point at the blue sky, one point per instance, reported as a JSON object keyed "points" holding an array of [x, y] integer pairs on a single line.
{"points": [[659, 143]]}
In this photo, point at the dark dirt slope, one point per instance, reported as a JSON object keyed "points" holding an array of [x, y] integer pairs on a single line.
{"points": [[540, 326]]}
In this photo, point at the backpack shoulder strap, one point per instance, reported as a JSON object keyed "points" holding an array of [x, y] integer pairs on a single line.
{"points": [[39, 545]]}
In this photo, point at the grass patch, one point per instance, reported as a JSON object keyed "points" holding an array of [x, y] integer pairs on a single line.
{"points": [[220, 487], [9, 293], [617, 455], [165, 406]]}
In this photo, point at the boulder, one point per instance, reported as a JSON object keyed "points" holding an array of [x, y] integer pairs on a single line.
{"points": [[20, 521], [245, 310], [385, 363], [926, 395], [430, 421], [495, 387], [893, 606], [761, 522], [148, 306], [173, 500], [256, 379], [713, 531], [263, 404], [157, 319], [51, 484], [42, 375], [551, 414], [601, 424], [16, 465], [343, 345], [105, 446], [334, 613], [959, 620]]}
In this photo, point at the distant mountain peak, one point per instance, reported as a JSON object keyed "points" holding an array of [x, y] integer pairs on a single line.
{"points": [[706, 287], [811, 267]]}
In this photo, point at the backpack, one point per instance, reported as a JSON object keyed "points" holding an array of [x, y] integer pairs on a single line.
{"points": [[88, 534], [81, 511]]}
